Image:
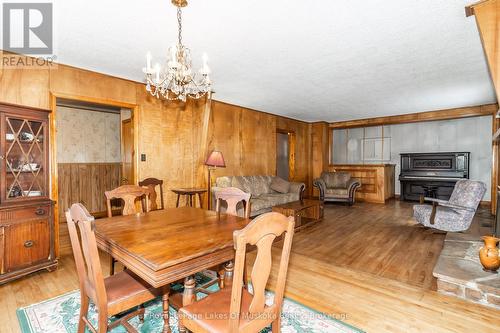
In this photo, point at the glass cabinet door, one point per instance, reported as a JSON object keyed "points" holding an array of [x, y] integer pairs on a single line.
{"points": [[25, 158]]}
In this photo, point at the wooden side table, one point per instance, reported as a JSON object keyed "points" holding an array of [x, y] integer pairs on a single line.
{"points": [[189, 193]]}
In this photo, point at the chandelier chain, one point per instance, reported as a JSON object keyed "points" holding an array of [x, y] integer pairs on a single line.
{"points": [[179, 21]]}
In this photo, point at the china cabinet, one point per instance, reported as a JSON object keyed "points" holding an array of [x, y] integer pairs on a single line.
{"points": [[26, 212]]}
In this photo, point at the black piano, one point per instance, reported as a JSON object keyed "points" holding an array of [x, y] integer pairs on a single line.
{"points": [[432, 174]]}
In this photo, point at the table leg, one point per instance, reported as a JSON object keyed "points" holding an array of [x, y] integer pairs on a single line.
{"points": [[178, 198], [166, 294], [190, 200], [199, 198], [228, 276], [188, 296]]}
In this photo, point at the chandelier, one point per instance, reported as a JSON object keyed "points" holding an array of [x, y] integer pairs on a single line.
{"points": [[177, 81]]}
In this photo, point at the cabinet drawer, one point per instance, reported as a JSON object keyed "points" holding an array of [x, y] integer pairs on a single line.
{"points": [[26, 244], [32, 212]]}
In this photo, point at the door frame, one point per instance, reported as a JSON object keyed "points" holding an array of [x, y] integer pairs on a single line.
{"points": [[54, 195], [291, 151], [122, 148]]}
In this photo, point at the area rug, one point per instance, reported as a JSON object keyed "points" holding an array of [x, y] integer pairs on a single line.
{"points": [[60, 315]]}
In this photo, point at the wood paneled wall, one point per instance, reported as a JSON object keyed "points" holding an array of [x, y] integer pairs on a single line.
{"points": [[86, 183], [247, 139], [175, 137]]}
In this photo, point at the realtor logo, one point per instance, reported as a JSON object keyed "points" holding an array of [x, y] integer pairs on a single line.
{"points": [[28, 28]]}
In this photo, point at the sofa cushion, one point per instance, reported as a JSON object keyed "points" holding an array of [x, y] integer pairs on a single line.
{"points": [[328, 178], [340, 179], [279, 198], [280, 185], [257, 204], [256, 185], [337, 192]]}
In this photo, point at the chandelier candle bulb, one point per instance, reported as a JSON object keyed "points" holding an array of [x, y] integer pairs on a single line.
{"points": [[157, 71], [148, 62]]}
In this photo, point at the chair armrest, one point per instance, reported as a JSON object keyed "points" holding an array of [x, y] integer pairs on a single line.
{"points": [[439, 201], [457, 207], [321, 185], [352, 186], [445, 203], [296, 187]]}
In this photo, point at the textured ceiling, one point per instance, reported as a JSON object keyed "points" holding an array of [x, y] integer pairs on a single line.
{"points": [[311, 60]]}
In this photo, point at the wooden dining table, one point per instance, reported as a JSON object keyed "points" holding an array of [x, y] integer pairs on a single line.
{"points": [[169, 245]]}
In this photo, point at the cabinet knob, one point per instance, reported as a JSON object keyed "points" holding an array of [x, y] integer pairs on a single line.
{"points": [[28, 244], [40, 211]]}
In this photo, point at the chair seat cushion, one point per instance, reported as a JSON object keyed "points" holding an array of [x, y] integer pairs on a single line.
{"points": [[211, 314], [126, 290], [337, 192]]}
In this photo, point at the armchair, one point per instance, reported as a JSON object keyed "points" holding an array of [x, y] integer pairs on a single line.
{"points": [[336, 187], [455, 214]]}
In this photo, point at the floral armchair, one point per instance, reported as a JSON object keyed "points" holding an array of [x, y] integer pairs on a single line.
{"points": [[336, 186], [455, 214]]}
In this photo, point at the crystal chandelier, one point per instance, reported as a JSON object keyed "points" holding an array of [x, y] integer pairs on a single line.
{"points": [[177, 81]]}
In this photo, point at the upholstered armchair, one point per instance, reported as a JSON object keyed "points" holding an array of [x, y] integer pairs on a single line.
{"points": [[455, 214], [336, 186]]}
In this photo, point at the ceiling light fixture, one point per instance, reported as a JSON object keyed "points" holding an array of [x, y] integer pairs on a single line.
{"points": [[177, 80]]}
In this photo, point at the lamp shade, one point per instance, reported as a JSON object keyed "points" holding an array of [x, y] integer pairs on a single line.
{"points": [[215, 159]]}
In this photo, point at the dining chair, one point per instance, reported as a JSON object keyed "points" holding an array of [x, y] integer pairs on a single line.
{"points": [[129, 194], [151, 183], [232, 196], [112, 295], [235, 309]]}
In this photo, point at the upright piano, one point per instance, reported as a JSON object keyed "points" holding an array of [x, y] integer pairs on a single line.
{"points": [[432, 174]]}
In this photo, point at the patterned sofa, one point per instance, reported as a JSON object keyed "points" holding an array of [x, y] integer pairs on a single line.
{"points": [[263, 197], [337, 187]]}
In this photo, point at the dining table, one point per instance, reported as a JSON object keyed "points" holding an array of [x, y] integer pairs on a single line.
{"points": [[165, 246]]}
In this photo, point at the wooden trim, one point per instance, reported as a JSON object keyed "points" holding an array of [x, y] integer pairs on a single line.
{"points": [[494, 165], [96, 100], [54, 193], [469, 10], [268, 113], [456, 113]]}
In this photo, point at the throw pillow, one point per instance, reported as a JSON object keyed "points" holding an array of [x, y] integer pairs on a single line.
{"points": [[280, 185]]}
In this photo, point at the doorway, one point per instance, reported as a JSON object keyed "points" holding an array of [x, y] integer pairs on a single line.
{"points": [[95, 152], [285, 154]]}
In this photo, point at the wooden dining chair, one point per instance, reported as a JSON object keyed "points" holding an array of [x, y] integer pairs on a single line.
{"points": [[151, 183], [232, 196], [235, 309], [129, 194], [112, 295]]}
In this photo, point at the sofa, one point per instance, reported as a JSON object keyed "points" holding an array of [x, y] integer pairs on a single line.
{"points": [[337, 187], [263, 197]]}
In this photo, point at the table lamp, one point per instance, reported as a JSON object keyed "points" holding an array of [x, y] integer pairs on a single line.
{"points": [[214, 160]]}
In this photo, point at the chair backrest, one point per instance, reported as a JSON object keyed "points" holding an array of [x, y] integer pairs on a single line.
{"points": [[468, 193], [232, 196], [88, 266], [261, 232], [151, 183], [129, 194], [337, 179]]}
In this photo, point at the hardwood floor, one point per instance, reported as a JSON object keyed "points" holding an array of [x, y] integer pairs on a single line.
{"points": [[373, 238], [368, 265]]}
